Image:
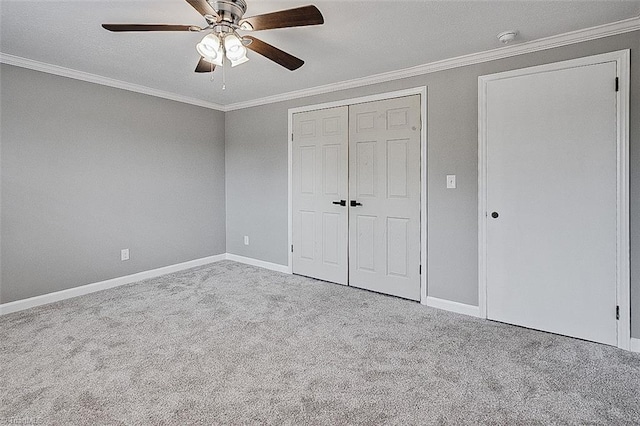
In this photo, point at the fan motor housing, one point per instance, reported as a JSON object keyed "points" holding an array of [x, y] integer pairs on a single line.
{"points": [[229, 10]]}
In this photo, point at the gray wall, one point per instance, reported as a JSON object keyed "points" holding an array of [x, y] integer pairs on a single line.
{"points": [[256, 164], [88, 170]]}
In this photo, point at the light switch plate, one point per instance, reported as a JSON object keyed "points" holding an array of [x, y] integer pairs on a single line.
{"points": [[451, 181]]}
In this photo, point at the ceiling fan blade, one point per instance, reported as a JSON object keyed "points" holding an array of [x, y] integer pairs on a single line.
{"points": [[298, 17], [204, 66], [203, 8], [276, 55], [150, 27]]}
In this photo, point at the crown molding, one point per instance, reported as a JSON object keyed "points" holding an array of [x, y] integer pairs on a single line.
{"points": [[573, 37], [105, 81]]}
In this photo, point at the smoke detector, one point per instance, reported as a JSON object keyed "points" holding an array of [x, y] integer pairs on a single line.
{"points": [[507, 36]]}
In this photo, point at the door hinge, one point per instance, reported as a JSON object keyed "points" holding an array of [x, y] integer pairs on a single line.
{"points": [[420, 270], [291, 137], [617, 312], [617, 84], [291, 248]]}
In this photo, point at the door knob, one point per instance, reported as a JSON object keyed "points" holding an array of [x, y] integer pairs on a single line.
{"points": [[354, 203], [494, 215], [340, 203]]}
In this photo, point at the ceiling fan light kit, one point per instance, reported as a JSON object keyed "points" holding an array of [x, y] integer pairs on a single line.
{"points": [[224, 19]]}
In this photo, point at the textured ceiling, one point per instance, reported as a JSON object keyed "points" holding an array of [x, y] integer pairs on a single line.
{"points": [[358, 39]]}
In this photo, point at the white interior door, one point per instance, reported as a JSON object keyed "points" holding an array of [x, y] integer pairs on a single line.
{"points": [[552, 201], [319, 182], [384, 182]]}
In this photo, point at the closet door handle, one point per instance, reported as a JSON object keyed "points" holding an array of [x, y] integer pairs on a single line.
{"points": [[340, 203], [354, 203]]}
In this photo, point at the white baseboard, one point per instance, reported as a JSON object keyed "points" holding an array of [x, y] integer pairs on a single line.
{"points": [[259, 263], [448, 305], [19, 305]]}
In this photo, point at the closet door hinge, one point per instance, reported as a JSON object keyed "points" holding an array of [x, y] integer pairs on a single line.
{"points": [[617, 84], [291, 248], [617, 312], [420, 270]]}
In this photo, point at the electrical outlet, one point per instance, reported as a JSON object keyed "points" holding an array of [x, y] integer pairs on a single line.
{"points": [[124, 254], [246, 240]]}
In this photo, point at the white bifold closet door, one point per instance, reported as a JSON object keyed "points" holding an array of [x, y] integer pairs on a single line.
{"points": [[356, 195], [384, 182], [551, 198], [319, 176]]}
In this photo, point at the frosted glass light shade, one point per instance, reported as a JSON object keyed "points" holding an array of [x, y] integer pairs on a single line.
{"points": [[236, 52], [210, 49]]}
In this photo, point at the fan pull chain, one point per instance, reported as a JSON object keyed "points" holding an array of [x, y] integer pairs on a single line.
{"points": [[224, 76]]}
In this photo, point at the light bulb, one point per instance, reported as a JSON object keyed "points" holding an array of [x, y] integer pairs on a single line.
{"points": [[210, 49], [236, 52]]}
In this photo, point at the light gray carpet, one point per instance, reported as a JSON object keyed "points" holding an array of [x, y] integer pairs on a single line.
{"points": [[234, 344]]}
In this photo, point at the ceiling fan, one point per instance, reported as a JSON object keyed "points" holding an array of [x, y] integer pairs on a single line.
{"points": [[223, 42]]}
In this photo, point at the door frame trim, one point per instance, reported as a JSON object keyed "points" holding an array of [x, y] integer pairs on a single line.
{"points": [[623, 283], [420, 90]]}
